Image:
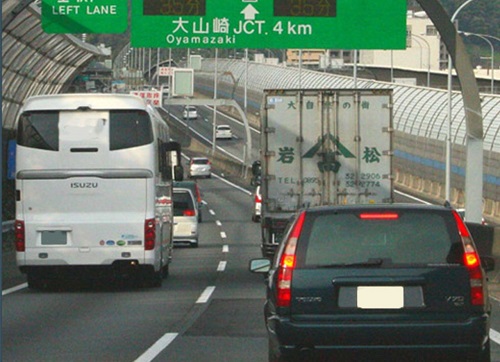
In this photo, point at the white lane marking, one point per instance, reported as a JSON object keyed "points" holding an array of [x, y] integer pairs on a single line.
{"points": [[14, 289], [218, 223], [222, 266], [205, 296], [412, 197], [225, 248], [223, 235], [495, 336], [234, 185], [157, 347], [212, 212]]}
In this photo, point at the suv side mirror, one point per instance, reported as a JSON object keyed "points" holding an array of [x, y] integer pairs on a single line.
{"points": [[260, 266]]}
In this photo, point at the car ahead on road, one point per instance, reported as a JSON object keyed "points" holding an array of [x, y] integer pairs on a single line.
{"points": [[190, 112], [257, 205], [195, 190], [185, 217], [377, 281], [200, 167], [223, 131]]}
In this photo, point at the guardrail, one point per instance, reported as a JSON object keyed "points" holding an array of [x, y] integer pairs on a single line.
{"points": [[7, 226]]}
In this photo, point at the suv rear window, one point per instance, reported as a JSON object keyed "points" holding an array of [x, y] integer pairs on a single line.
{"points": [[411, 238], [182, 201]]}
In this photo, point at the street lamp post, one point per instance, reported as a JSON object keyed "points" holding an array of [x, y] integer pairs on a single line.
{"points": [[485, 38], [428, 58], [448, 128]]}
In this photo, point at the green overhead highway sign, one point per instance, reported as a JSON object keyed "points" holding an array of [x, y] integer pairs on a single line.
{"points": [[84, 16], [341, 24]]}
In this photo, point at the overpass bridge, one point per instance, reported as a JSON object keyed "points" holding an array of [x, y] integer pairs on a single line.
{"points": [[38, 63]]}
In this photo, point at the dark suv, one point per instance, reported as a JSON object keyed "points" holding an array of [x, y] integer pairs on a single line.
{"points": [[365, 282]]}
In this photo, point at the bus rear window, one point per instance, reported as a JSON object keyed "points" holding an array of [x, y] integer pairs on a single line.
{"points": [[129, 128], [39, 130]]}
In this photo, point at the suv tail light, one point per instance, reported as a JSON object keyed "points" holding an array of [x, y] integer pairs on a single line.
{"points": [[472, 262], [19, 235], [149, 234], [287, 264]]}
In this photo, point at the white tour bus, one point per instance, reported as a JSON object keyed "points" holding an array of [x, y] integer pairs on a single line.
{"points": [[94, 177]]}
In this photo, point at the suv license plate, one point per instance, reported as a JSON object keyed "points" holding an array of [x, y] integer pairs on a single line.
{"points": [[380, 297]]}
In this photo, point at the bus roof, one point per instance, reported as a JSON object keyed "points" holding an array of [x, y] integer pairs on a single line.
{"points": [[85, 101]]}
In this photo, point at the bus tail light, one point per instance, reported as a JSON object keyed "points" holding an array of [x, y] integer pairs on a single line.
{"points": [[19, 235], [149, 234]]}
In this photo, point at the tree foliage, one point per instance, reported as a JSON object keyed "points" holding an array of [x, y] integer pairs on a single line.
{"points": [[479, 16]]}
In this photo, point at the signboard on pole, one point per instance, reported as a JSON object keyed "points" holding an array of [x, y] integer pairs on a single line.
{"points": [[84, 16], [339, 24], [195, 62], [151, 97], [166, 71], [183, 82]]}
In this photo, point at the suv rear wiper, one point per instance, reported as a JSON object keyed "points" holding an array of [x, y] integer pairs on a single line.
{"points": [[369, 263]]}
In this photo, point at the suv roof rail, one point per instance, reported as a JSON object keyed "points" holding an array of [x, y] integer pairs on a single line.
{"points": [[447, 204]]}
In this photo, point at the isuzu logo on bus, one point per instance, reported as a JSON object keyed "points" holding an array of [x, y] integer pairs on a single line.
{"points": [[84, 185]]}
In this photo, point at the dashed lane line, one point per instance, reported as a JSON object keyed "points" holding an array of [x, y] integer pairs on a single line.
{"points": [[157, 347]]}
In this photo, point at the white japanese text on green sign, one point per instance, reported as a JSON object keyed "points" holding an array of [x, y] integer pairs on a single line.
{"points": [[341, 24]]}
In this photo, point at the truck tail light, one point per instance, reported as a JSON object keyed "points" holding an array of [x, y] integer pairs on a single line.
{"points": [[19, 235], [472, 262], [287, 264], [258, 199], [149, 234]]}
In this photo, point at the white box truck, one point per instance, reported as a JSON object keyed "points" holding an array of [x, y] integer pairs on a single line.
{"points": [[322, 147]]}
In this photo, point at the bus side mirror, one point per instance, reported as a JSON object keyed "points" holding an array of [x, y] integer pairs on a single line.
{"points": [[171, 161]]}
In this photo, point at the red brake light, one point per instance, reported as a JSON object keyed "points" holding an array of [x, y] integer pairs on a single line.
{"points": [[19, 235], [198, 194], [472, 262], [149, 234], [379, 216], [462, 229], [189, 212], [287, 264]]}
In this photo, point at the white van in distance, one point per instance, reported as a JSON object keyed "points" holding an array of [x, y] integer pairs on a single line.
{"points": [[94, 176]]}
